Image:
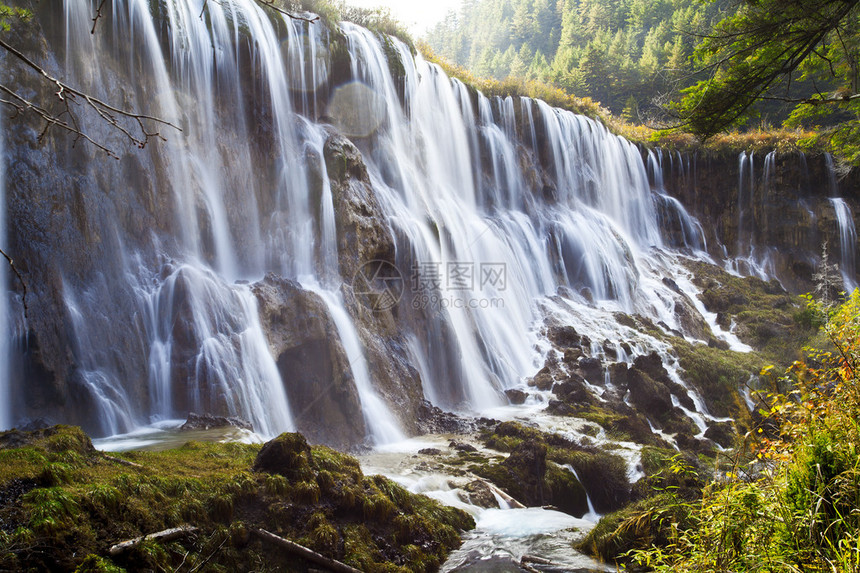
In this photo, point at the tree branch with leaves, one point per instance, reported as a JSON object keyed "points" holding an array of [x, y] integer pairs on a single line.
{"points": [[763, 50]]}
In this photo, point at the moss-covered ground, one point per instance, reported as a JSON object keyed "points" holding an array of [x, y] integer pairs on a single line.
{"points": [[63, 505]]}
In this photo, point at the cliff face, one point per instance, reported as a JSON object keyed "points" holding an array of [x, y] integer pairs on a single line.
{"points": [[339, 231], [772, 212]]}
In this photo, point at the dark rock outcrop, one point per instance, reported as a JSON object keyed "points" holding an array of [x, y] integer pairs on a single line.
{"points": [[784, 216], [208, 421], [311, 361], [288, 455]]}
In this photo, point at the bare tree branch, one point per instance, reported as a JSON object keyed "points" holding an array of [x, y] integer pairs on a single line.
{"points": [[20, 279], [268, 4], [97, 16], [814, 101], [66, 94]]}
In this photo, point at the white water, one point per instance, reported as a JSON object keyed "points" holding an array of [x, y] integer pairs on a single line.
{"points": [[6, 327], [531, 201], [501, 535], [847, 243], [378, 418]]}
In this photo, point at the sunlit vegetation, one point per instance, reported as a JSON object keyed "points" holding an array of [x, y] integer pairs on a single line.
{"points": [[785, 501], [704, 68]]}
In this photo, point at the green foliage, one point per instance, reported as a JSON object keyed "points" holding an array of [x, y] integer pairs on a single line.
{"points": [[622, 53], [803, 52], [331, 12], [10, 15], [793, 506]]}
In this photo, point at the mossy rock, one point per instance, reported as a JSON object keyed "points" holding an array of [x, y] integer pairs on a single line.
{"points": [[719, 375], [642, 525], [604, 476], [670, 470], [313, 495], [53, 439], [288, 455]]}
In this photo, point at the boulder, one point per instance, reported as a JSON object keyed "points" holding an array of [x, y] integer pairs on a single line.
{"points": [[723, 433], [288, 455], [311, 361], [526, 476], [481, 494], [592, 369], [648, 395], [208, 421], [516, 396]]}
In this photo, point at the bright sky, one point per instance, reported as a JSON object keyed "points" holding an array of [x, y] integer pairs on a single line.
{"points": [[417, 15]]}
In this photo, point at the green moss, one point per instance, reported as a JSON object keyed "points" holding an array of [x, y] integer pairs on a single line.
{"points": [[719, 375], [74, 504], [96, 564], [641, 525], [766, 317]]}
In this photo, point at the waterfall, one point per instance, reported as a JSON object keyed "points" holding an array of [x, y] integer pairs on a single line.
{"points": [[673, 217], [379, 420], [495, 209], [6, 328], [847, 243]]}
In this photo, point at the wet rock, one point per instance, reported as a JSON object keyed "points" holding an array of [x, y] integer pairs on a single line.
{"points": [[208, 421], [592, 369], [288, 455], [633, 424], [516, 396], [610, 350], [528, 477], [572, 391], [433, 420], [481, 494], [311, 361], [528, 463], [559, 408], [564, 336], [618, 372], [671, 284], [692, 444], [462, 446], [649, 396], [363, 233], [543, 380], [722, 433], [604, 476], [652, 365], [572, 356], [430, 451]]}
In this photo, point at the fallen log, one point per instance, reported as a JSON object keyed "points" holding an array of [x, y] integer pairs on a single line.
{"points": [[121, 461], [166, 535], [304, 552], [512, 503]]}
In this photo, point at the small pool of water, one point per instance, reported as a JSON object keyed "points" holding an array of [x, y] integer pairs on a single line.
{"points": [[166, 435]]}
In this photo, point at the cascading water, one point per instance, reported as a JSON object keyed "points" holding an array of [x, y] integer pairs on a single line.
{"points": [[847, 243], [6, 415], [494, 207]]}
